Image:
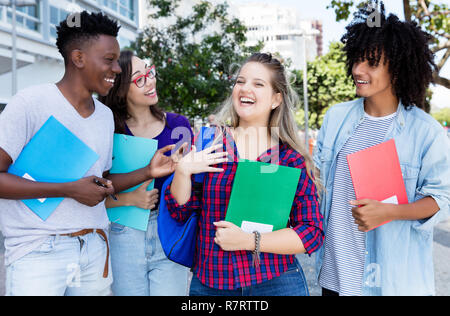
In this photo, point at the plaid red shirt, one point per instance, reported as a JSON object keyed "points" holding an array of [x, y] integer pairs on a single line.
{"points": [[227, 270]]}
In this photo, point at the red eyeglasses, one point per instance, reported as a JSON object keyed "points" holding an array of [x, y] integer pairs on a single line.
{"points": [[142, 79]]}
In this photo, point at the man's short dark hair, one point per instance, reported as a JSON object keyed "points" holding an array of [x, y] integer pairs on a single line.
{"points": [[88, 26], [405, 48]]}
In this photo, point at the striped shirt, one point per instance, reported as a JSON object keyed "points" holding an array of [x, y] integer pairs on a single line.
{"points": [[344, 246], [229, 270]]}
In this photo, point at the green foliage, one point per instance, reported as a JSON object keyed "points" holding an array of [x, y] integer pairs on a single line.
{"points": [[194, 55], [434, 18], [431, 15], [443, 116], [328, 84], [341, 8]]}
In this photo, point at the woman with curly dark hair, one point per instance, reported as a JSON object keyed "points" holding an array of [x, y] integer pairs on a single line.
{"points": [[392, 67]]}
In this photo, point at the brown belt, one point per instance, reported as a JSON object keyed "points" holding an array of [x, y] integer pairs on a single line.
{"points": [[101, 233]]}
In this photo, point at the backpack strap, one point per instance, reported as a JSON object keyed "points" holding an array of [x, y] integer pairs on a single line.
{"points": [[204, 140]]}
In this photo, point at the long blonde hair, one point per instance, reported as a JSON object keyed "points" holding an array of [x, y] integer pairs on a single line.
{"points": [[281, 120]]}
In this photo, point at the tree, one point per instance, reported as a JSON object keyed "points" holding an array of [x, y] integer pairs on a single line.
{"points": [[431, 15], [443, 116], [328, 84], [194, 55]]}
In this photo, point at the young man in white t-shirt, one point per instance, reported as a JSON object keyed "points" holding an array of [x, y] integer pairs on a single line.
{"points": [[67, 254]]}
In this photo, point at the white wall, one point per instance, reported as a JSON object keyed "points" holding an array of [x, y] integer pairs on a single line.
{"points": [[42, 71]]}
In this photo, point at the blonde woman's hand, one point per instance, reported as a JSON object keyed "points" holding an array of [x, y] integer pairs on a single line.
{"points": [[232, 238], [201, 161]]}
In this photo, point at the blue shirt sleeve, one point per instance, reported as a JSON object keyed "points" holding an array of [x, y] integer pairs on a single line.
{"points": [[434, 180]]}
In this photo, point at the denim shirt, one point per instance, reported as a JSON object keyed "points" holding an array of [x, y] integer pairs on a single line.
{"points": [[399, 255]]}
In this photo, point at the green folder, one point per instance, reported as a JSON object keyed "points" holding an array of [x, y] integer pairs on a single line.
{"points": [[262, 196], [129, 154]]}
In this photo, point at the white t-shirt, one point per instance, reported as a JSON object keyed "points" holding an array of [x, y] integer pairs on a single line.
{"points": [[22, 118]]}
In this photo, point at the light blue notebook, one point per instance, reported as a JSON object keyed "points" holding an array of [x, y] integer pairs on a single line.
{"points": [[53, 155], [129, 154]]}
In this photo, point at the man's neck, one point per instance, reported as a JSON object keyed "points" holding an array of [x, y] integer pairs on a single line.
{"points": [[381, 105], [77, 94]]}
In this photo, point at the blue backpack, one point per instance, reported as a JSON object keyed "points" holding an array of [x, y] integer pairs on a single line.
{"points": [[178, 239]]}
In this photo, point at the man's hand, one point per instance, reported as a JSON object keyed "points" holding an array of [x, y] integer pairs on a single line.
{"points": [[87, 192], [370, 214]]}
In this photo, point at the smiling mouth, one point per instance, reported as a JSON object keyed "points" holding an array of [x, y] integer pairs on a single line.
{"points": [[360, 82], [247, 101], [110, 80], [151, 93]]}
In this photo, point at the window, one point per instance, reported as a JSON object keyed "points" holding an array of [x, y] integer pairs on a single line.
{"points": [[282, 37], [123, 7], [112, 4], [56, 16], [28, 17], [124, 42]]}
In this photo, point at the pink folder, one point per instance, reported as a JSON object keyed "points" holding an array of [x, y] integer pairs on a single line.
{"points": [[376, 174]]}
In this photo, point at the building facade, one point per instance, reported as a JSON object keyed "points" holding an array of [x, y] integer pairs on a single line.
{"points": [[38, 60], [282, 31]]}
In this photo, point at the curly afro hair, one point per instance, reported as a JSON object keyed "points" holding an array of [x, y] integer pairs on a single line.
{"points": [[405, 47], [90, 26]]}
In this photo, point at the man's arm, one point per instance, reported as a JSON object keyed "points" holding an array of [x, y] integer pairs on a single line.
{"points": [[13, 187], [160, 166], [17, 188], [124, 181], [369, 214]]}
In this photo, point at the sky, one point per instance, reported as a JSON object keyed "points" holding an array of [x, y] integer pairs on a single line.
{"points": [[333, 31]]}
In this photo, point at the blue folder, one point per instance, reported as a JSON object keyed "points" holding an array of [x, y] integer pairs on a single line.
{"points": [[53, 155], [129, 154]]}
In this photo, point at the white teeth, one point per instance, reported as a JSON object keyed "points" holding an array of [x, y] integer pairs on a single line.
{"points": [[362, 81], [109, 80], [247, 100], [151, 92]]}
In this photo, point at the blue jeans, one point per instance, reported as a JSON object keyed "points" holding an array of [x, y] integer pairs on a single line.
{"points": [[71, 266], [140, 267], [290, 283]]}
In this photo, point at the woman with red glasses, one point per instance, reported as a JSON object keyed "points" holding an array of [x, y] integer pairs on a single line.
{"points": [[140, 267]]}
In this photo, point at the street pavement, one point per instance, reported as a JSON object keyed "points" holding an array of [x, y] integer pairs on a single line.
{"points": [[441, 263], [441, 254]]}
